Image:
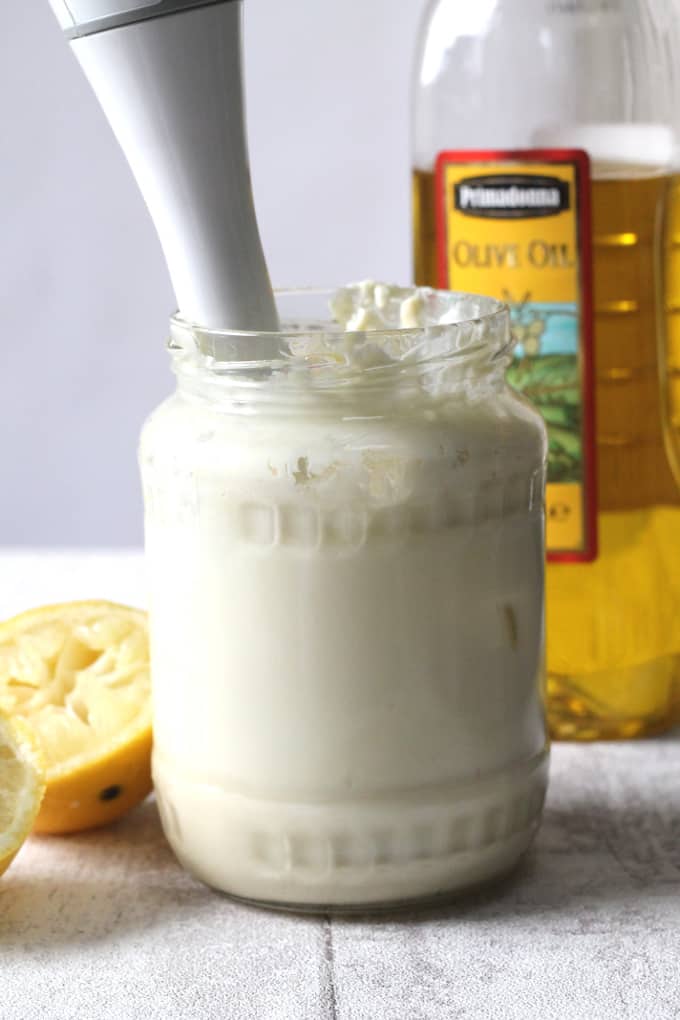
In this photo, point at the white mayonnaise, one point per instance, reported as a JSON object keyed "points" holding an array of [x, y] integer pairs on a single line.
{"points": [[346, 595]]}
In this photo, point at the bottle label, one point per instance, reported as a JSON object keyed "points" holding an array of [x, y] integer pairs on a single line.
{"points": [[516, 225]]}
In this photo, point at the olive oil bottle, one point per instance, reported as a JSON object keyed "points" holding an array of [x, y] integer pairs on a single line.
{"points": [[545, 173]]}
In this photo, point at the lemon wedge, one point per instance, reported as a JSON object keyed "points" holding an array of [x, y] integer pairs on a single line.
{"points": [[78, 673], [22, 785]]}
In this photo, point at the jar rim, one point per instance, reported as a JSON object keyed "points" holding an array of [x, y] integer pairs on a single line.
{"points": [[489, 307], [456, 328]]}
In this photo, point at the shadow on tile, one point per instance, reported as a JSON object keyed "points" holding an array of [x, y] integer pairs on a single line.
{"points": [[93, 885], [588, 857]]}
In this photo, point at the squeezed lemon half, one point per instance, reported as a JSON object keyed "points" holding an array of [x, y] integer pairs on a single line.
{"points": [[78, 674], [22, 785]]}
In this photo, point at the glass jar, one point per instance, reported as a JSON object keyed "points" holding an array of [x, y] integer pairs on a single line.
{"points": [[344, 538], [576, 101]]}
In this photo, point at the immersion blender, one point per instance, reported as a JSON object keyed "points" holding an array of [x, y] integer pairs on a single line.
{"points": [[168, 75]]}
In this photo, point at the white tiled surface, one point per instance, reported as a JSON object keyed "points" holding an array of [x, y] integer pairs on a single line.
{"points": [[32, 578], [105, 926]]}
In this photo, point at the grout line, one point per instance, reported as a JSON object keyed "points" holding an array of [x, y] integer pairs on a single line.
{"points": [[329, 991]]}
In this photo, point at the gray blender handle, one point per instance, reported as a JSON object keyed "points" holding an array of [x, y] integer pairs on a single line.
{"points": [[86, 17], [172, 90]]}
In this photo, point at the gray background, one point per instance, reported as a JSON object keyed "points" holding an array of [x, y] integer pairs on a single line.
{"points": [[85, 295]]}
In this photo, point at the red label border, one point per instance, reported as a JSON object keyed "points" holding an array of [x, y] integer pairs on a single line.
{"points": [[581, 161]]}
